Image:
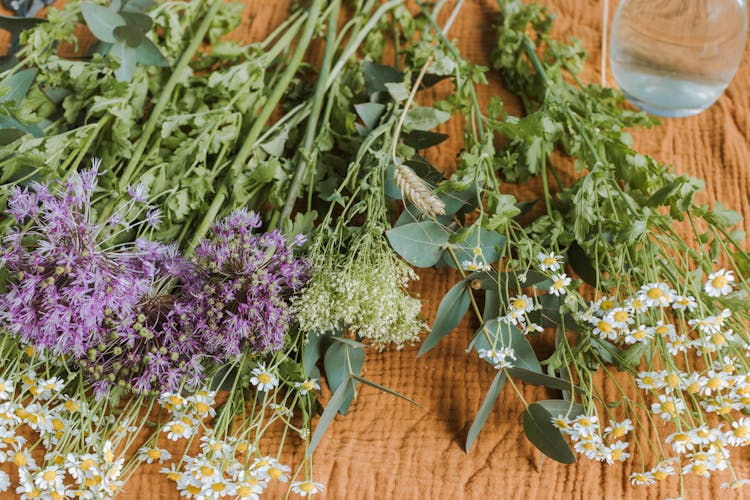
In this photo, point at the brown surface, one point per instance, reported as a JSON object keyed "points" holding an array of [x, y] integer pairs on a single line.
{"points": [[385, 448]]}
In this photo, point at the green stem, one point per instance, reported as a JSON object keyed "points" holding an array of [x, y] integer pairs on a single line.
{"points": [[164, 98], [317, 105], [268, 108]]}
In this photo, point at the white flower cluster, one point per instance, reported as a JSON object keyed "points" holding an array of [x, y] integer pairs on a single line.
{"points": [[368, 299], [90, 470], [588, 439]]}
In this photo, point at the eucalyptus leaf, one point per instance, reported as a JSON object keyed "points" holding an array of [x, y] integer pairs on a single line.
{"points": [[581, 264], [130, 35], [18, 84], [335, 405], [420, 243], [489, 242], [425, 118], [377, 75], [484, 410], [370, 113], [150, 55], [421, 139], [102, 21], [127, 57], [537, 378], [313, 351], [338, 359], [349, 342], [538, 427], [16, 25], [449, 314]]}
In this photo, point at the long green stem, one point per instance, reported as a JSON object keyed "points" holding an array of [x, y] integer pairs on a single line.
{"points": [[260, 122], [164, 98], [317, 105]]}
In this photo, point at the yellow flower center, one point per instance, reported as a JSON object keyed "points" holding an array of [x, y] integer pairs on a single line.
{"points": [[153, 454], [694, 388], [636, 304], [35, 493], [719, 282], [589, 445], [193, 490], [606, 305], [655, 293], [174, 476], [307, 487], [558, 284], [668, 406], [718, 339], [604, 327], [218, 486], [621, 316], [87, 464], [616, 454], [703, 433], [672, 380], [242, 448], [618, 432], [20, 459], [55, 496], [714, 383], [58, 424], [175, 400], [308, 385], [72, 406], [49, 476], [698, 469], [93, 481], [549, 261], [244, 491], [681, 438], [741, 432], [659, 475], [662, 329], [639, 334], [517, 304], [264, 378], [201, 407], [178, 428], [206, 470], [648, 380], [275, 472]]}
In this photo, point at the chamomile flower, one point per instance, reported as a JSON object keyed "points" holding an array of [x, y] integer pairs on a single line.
{"points": [[681, 442], [263, 379], [178, 429], [6, 389], [656, 294], [636, 305], [531, 328], [549, 261], [663, 470], [615, 452], [641, 333], [604, 305], [620, 317], [151, 455], [49, 478], [719, 283], [308, 385], [521, 304], [616, 430], [4, 481], [306, 488], [642, 478], [668, 407], [559, 284], [605, 329], [678, 344], [684, 302], [739, 434], [736, 484], [500, 358], [714, 382]]}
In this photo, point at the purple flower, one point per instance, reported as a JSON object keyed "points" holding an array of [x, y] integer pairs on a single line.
{"points": [[241, 288]]}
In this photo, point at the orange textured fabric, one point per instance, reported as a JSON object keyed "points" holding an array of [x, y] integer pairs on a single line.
{"points": [[385, 448]]}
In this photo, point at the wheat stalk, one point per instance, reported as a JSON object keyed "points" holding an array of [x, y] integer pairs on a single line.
{"points": [[416, 190]]}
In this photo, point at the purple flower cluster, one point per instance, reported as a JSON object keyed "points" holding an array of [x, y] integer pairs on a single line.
{"points": [[139, 315], [241, 286]]}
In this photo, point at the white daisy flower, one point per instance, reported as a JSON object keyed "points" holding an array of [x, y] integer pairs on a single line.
{"points": [[308, 385], [681, 442], [178, 429], [719, 283], [263, 379], [656, 294], [6, 389], [642, 478], [616, 430], [604, 305], [559, 284], [641, 333], [521, 304], [668, 407], [739, 434], [532, 328], [605, 329], [151, 455], [306, 488], [684, 302], [620, 317], [49, 478], [549, 261], [616, 452]]}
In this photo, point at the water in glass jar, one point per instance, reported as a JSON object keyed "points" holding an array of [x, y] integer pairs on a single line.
{"points": [[676, 57]]}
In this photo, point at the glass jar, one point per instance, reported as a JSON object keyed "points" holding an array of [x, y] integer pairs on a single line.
{"points": [[676, 57]]}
